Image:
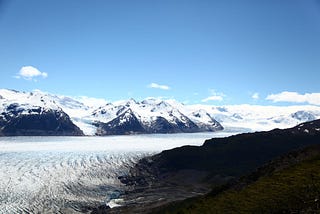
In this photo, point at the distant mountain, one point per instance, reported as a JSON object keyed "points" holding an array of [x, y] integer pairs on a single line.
{"points": [[260, 118], [126, 117], [150, 116], [21, 120], [303, 116], [125, 123], [159, 116]]}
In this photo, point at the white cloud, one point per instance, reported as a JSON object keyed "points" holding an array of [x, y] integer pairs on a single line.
{"points": [[294, 97], [158, 86], [215, 96], [30, 73], [255, 96]]}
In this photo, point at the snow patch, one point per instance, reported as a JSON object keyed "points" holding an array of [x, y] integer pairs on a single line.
{"points": [[115, 203]]}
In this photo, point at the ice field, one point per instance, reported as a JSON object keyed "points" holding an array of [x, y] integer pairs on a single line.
{"points": [[66, 174]]}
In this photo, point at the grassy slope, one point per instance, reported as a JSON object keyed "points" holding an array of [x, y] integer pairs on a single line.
{"points": [[294, 189]]}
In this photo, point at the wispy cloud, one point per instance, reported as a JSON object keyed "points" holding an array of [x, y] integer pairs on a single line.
{"points": [[158, 86], [255, 96], [30, 73], [215, 96], [212, 98], [295, 97]]}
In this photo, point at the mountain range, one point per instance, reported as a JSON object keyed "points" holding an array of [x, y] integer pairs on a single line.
{"points": [[40, 113]]}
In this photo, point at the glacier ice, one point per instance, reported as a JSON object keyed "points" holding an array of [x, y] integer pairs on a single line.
{"points": [[65, 174]]}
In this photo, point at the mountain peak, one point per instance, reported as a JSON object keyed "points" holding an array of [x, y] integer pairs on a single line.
{"points": [[159, 113], [130, 102]]}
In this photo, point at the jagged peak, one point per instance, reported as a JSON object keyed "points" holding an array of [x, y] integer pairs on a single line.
{"points": [[200, 112], [131, 101], [163, 104], [106, 106], [149, 100]]}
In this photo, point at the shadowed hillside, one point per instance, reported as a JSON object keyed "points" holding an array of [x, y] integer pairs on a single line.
{"points": [[290, 184], [189, 171], [238, 154]]}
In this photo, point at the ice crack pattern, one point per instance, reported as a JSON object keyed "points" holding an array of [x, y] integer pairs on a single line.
{"points": [[70, 174], [53, 182]]}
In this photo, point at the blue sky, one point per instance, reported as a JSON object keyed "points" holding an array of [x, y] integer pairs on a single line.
{"points": [[196, 51]]}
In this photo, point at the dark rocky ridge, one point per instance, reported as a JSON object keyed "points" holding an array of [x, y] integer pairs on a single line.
{"points": [[192, 170], [287, 184], [37, 122], [240, 153]]}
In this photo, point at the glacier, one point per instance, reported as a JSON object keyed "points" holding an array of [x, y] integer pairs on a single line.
{"points": [[70, 174]]}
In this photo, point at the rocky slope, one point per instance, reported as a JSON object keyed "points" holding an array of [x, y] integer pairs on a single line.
{"points": [[289, 184], [191, 170]]}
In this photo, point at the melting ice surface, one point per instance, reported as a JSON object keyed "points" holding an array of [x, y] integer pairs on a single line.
{"points": [[66, 174]]}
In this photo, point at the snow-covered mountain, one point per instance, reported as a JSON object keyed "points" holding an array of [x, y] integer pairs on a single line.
{"points": [[152, 115], [260, 118], [33, 114], [149, 116], [123, 117]]}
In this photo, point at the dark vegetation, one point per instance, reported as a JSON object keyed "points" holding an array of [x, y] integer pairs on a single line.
{"points": [[289, 184]]}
